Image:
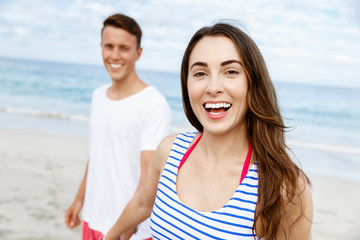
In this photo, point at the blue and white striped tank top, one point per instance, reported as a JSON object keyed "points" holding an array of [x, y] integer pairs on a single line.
{"points": [[171, 219]]}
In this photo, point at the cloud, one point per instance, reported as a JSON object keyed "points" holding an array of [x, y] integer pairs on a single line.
{"points": [[21, 31], [94, 7], [355, 11], [300, 40]]}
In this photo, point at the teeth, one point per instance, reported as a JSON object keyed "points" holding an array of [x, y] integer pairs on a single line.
{"points": [[115, 65], [215, 113], [217, 105]]}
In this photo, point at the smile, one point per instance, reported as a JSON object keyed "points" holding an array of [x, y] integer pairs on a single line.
{"points": [[217, 108], [115, 65]]}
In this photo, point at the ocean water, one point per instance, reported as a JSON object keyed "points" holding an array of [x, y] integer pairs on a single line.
{"points": [[324, 122]]}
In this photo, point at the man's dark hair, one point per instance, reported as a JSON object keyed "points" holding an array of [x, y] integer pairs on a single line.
{"points": [[124, 22]]}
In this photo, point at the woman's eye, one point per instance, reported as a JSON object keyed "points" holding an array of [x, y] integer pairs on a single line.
{"points": [[231, 72], [199, 74]]}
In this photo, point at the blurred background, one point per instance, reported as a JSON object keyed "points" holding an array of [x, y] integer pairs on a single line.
{"points": [[50, 62]]}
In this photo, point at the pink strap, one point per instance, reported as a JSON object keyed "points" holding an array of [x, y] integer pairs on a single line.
{"points": [[188, 152], [246, 163]]}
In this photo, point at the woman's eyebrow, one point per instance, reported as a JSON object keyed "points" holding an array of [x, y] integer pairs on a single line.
{"points": [[230, 61], [198, 64]]}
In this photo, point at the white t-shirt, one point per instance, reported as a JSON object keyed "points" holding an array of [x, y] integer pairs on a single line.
{"points": [[119, 131]]}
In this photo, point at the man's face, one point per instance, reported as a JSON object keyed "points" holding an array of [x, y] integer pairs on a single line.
{"points": [[119, 52]]}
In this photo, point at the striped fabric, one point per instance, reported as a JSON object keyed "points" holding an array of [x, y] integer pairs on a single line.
{"points": [[171, 219]]}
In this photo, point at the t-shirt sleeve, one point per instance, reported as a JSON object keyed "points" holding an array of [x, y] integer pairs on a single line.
{"points": [[156, 124]]}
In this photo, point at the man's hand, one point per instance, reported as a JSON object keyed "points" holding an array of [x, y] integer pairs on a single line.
{"points": [[128, 234], [72, 214]]}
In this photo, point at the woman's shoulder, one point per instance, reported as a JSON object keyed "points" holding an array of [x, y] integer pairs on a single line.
{"points": [[185, 137], [163, 150], [302, 191], [167, 142]]}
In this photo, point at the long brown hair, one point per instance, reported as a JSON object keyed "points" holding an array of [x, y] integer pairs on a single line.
{"points": [[277, 172]]}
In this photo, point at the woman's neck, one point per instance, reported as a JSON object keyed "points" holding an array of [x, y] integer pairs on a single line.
{"points": [[224, 147]]}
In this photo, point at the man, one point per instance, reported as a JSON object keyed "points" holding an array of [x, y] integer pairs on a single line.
{"points": [[127, 121]]}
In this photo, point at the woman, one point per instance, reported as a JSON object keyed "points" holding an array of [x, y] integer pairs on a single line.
{"points": [[233, 179]]}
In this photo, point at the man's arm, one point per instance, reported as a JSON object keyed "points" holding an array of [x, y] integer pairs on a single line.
{"points": [[145, 164], [72, 213]]}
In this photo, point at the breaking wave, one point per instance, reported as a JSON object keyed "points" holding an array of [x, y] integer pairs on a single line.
{"points": [[45, 114]]}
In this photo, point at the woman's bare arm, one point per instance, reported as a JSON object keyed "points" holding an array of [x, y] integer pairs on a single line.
{"points": [[298, 214], [140, 206]]}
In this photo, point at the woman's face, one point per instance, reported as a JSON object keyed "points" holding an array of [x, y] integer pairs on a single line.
{"points": [[217, 85]]}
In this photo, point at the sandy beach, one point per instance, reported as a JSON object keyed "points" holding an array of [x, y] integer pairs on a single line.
{"points": [[40, 174]]}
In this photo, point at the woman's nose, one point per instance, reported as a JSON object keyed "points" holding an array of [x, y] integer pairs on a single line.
{"points": [[214, 86]]}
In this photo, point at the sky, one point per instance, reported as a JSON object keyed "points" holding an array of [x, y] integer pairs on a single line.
{"points": [[315, 42]]}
